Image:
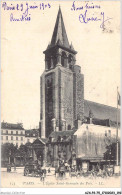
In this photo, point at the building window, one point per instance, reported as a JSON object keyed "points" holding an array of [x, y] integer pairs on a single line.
{"points": [[16, 138], [1, 131], [6, 137], [59, 138], [11, 137], [6, 131], [69, 127], [49, 63], [12, 132], [21, 138], [63, 59], [16, 132], [21, 133], [17, 144], [1, 137], [70, 58]]}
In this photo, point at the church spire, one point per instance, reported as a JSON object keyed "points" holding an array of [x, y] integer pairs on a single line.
{"points": [[59, 33]]}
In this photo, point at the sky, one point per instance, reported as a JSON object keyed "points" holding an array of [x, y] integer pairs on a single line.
{"points": [[22, 63]]}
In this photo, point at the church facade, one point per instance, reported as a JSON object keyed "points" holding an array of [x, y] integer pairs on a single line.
{"points": [[62, 84]]}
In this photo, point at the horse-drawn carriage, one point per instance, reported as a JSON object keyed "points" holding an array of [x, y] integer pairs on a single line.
{"points": [[61, 171], [73, 172], [32, 169], [108, 170]]}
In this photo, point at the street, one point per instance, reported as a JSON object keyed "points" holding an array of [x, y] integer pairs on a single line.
{"points": [[16, 179]]}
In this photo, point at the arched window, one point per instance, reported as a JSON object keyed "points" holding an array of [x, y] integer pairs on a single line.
{"points": [[59, 138], [63, 59], [49, 63], [70, 60], [69, 127], [54, 61]]}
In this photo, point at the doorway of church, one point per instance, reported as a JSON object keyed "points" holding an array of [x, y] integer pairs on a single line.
{"points": [[39, 156]]}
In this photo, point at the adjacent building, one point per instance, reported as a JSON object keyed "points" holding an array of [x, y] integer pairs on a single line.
{"points": [[12, 133], [31, 135], [16, 134], [92, 144]]}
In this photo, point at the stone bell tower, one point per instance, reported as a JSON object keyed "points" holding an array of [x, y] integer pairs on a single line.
{"points": [[61, 84]]}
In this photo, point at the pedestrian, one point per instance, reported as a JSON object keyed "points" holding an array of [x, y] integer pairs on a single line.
{"points": [[44, 172], [56, 172], [69, 170], [14, 167], [42, 176], [49, 170], [62, 171]]}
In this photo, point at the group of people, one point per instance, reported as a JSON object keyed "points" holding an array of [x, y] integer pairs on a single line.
{"points": [[43, 173], [71, 171], [63, 169], [107, 170]]}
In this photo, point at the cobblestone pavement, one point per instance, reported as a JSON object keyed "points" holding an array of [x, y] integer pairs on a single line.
{"points": [[16, 179]]}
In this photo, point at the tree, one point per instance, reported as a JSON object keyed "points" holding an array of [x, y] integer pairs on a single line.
{"points": [[8, 150], [25, 151], [110, 154]]}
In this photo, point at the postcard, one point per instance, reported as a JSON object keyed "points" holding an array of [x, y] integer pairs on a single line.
{"points": [[60, 102]]}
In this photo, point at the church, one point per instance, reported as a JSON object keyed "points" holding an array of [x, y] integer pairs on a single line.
{"points": [[71, 128]]}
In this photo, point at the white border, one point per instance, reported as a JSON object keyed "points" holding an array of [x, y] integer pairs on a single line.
{"points": [[34, 191]]}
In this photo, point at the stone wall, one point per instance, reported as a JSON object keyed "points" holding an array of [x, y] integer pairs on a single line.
{"points": [[66, 98], [78, 94], [49, 101]]}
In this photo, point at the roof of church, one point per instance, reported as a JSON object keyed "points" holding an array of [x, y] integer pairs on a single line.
{"points": [[42, 140], [59, 33], [56, 134], [100, 111], [62, 133]]}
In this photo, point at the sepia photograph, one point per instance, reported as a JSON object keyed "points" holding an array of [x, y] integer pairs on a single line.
{"points": [[60, 94]]}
